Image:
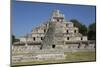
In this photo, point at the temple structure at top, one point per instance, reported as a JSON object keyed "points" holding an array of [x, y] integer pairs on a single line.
{"points": [[55, 33]]}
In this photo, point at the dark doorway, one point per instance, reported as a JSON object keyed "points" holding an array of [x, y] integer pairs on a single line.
{"points": [[41, 38], [57, 20], [79, 45], [34, 38], [67, 31], [74, 31], [81, 38], [44, 30], [53, 46], [67, 38]]}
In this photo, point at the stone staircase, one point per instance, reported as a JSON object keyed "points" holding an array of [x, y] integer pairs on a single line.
{"points": [[54, 35]]}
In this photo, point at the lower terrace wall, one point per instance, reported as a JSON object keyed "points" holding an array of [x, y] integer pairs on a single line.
{"points": [[34, 53]]}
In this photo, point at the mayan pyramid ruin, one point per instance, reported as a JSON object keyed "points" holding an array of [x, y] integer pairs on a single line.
{"points": [[50, 40]]}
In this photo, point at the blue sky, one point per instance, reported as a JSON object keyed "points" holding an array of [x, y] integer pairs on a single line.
{"points": [[26, 15]]}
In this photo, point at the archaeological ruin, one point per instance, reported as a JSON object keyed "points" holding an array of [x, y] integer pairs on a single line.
{"points": [[50, 41]]}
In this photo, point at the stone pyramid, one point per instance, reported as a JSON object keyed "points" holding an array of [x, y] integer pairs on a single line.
{"points": [[54, 35]]}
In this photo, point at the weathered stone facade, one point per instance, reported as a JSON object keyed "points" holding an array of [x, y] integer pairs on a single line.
{"points": [[51, 39], [56, 32]]}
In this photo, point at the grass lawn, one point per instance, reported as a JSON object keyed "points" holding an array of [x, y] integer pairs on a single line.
{"points": [[80, 56], [70, 57]]}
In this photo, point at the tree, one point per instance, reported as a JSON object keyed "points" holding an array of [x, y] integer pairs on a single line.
{"points": [[13, 39], [82, 28], [92, 31]]}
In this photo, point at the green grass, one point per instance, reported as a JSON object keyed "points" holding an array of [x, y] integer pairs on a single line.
{"points": [[80, 56], [70, 57]]}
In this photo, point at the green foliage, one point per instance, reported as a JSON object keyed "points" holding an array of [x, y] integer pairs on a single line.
{"points": [[92, 31], [14, 39], [82, 28]]}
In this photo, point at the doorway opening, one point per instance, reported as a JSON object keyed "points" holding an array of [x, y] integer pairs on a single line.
{"points": [[53, 46]]}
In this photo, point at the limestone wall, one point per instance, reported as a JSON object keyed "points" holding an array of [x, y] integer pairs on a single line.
{"points": [[33, 53]]}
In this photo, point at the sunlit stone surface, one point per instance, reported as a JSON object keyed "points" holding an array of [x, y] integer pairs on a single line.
{"points": [[50, 40]]}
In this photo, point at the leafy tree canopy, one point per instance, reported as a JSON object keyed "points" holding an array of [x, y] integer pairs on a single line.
{"points": [[14, 39], [92, 31], [82, 28]]}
